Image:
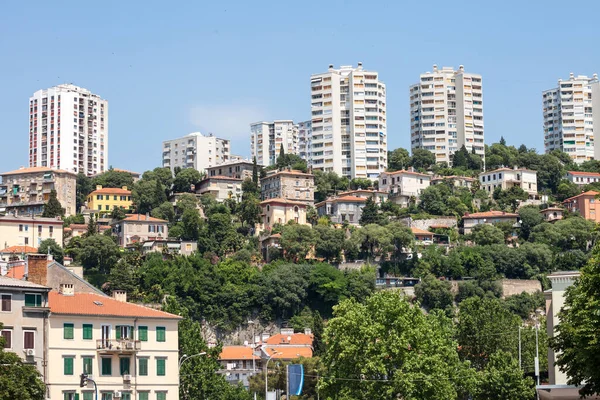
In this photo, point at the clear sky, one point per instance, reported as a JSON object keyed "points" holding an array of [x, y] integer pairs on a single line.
{"points": [[169, 68]]}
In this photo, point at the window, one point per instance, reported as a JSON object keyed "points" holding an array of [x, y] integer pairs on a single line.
{"points": [[6, 302], [124, 332], [70, 396], [107, 396], [33, 300], [160, 334], [20, 227], [68, 331], [161, 395], [28, 339], [160, 367], [7, 336], [124, 363], [39, 229], [115, 197], [106, 366], [88, 395], [88, 365], [143, 395], [87, 331], [125, 396], [143, 333], [143, 367], [68, 365]]}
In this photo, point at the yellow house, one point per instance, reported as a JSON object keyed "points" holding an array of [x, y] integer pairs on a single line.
{"points": [[107, 199]]}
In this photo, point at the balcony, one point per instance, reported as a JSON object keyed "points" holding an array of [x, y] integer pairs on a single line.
{"points": [[120, 346]]}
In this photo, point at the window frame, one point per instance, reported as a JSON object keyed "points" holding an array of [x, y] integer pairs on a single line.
{"points": [[9, 302], [109, 366], [143, 329], [10, 334], [140, 369], [26, 331], [72, 327], [66, 361], [159, 361], [162, 329], [35, 302], [84, 327]]}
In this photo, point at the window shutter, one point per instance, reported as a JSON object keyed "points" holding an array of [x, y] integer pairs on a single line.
{"points": [[118, 331], [143, 369], [143, 396], [106, 366], [87, 365], [87, 331], [68, 331], [88, 396], [124, 365], [143, 333], [76, 396], [160, 334], [68, 365], [30, 300], [160, 367]]}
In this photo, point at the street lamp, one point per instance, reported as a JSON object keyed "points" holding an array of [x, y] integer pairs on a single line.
{"points": [[185, 357], [267, 373]]}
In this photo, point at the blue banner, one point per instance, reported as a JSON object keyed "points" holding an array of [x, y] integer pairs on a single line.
{"points": [[296, 378]]}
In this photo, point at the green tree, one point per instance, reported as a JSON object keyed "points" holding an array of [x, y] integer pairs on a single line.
{"points": [[433, 293], [575, 341], [398, 159], [83, 187], [510, 198], [53, 208], [98, 254], [49, 246], [250, 210], [371, 241], [433, 199], [388, 349], [92, 226], [484, 234], [113, 179], [370, 213], [360, 183], [530, 217], [161, 174], [254, 171], [329, 243], [567, 189], [185, 180], [461, 158], [18, 379], [317, 331], [118, 213], [422, 159], [164, 211], [191, 224], [327, 184], [550, 172], [502, 379], [297, 241]]}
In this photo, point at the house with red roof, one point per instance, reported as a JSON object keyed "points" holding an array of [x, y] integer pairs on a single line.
{"points": [[404, 187], [137, 228], [470, 220], [582, 178], [342, 209], [585, 205], [288, 184]]}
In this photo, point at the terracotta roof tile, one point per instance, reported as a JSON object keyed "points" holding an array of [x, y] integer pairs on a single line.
{"points": [[286, 172], [142, 218], [366, 191], [418, 231], [86, 304], [490, 214], [20, 249], [283, 201], [118, 191], [403, 171], [17, 271], [296, 339], [579, 173], [289, 352], [237, 353], [32, 170], [588, 193]]}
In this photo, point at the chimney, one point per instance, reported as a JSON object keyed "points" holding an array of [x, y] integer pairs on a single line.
{"points": [[98, 187], [307, 331], [37, 266], [124, 187], [147, 216], [265, 336], [66, 289], [120, 295]]}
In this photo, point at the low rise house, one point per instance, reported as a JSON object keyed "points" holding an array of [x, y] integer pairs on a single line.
{"points": [[221, 188], [404, 187], [343, 209], [281, 211], [239, 363], [454, 180], [582, 178], [26, 190], [288, 345], [552, 214], [76, 230], [487, 217], [505, 178], [239, 169], [136, 228], [28, 231], [170, 246], [107, 199], [24, 314], [15, 253], [585, 205], [289, 184], [377, 195], [422, 236]]}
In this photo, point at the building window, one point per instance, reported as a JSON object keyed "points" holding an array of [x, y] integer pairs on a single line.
{"points": [[143, 367], [88, 395], [68, 331], [33, 300], [160, 367], [143, 395], [28, 339], [124, 332], [106, 366], [7, 336], [160, 334], [70, 396], [6, 302], [68, 365], [39, 229], [87, 331], [124, 363], [107, 396], [20, 227], [143, 333], [161, 395], [88, 365]]}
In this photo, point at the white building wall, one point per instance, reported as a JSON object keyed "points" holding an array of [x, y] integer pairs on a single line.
{"points": [[266, 139], [196, 151], [68, 129]]}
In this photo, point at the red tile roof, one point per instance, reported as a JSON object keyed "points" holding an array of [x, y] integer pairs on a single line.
{"points": [[286, 172], [142, 218], [221, 178], [588, 193], [17, 272], [283, 201], [95, 304], [237, 353], [33, 170], [296, 339], [403, 171], [111, 191], [418, 231], [366, 191], [20, 249], [289, 352], [579, 173], [490, 214]]}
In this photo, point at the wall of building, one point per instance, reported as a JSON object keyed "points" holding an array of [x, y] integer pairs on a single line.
{"points": [[20, 231]]}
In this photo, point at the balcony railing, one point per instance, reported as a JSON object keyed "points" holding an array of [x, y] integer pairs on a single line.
{"points": [[118, 345]]}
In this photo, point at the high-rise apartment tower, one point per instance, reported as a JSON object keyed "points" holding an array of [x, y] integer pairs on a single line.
{"points": [[266, 139]]}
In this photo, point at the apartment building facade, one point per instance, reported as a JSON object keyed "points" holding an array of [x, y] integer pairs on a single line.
{"points": [[404, 187], [343, 209], [25, 191], [136, 228], [305, 141], [585, 205], [289, 184], [266, 139], [77, 146], [571, 114], [505, 178], [240, 169], [221, 188], [446, 112], [196, 151], [107, 199], [27, 231], [349, 122], [281, 211]]}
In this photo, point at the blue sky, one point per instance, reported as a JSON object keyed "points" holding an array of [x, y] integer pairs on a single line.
{"points": [[170, 68]]}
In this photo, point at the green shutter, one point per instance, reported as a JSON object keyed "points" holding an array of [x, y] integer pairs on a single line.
{"points": [[88, 365], [160, 334], [161, 396], [160, 367], [143, 367], [107, 366], [38, 300], [118, 331], [87, 331], [68, 365], [88, 396], [143, 333], [76, 396], [124, 365], [68, 331], [30, 300], [143, 396]]}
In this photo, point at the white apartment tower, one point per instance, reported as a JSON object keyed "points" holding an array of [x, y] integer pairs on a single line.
{"points": [[571, 115], [77, 146], [446, 112], [266, 139], [349, 127], [305, 140], [195, 151]]}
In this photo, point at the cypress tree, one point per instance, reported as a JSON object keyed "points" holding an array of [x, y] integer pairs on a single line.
{"points": [[53, 208]]}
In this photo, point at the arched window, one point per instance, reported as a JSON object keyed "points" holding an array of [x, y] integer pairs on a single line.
{"points": [[296, 209]]}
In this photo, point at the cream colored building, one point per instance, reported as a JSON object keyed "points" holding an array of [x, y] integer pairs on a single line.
{"points": [[26, 231], [289, 184], [506, 178], [196, 151], [130, 351], [26, 190], [136, 228], [266, 139], [454, 180], [240, 169], [281, 211], [404, 187], [488, 218], [221, 188]]}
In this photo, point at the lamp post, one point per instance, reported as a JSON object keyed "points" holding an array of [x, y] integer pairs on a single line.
{"points": [[267, 374], [185, 357]]}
